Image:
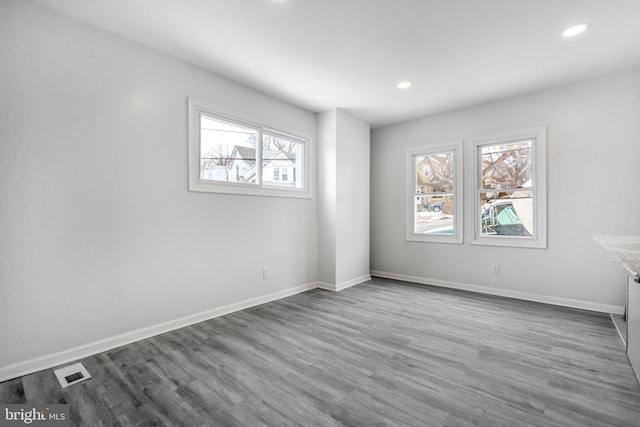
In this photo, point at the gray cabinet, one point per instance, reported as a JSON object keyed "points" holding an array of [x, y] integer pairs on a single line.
{"points": [[633, 324]]}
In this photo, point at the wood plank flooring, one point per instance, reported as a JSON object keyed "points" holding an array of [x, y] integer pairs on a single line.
{"points": [[383, 353]]}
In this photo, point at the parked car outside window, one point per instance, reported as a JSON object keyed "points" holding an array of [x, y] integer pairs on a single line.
{"points": [[499, 217]]}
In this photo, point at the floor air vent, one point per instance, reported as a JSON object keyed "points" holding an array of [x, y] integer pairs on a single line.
{"points": [[72, 374]]}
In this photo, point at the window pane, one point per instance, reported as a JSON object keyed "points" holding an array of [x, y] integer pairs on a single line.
{"points": [[434, 215], [434, 173], [507, 216], [282, 161], [227, 151], [506, 165]]}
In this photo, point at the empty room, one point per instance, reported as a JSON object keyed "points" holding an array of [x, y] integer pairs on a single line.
{"points": [[319, 213]]}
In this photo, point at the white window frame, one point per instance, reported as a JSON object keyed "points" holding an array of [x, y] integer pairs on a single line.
{"points": [[539, 189], [196, 108], [457, 237]]}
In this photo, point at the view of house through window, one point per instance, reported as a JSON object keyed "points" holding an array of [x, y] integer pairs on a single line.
{"points": [[231, 153], [279, 157], [227, 151], [434, 193], [506, 189]]}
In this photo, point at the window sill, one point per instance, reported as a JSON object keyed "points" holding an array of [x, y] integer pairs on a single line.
{"points": [[246, 190], [434, 239], [515, 242]]}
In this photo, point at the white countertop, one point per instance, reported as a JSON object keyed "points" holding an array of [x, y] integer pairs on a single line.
{"points": [[625, 250]]}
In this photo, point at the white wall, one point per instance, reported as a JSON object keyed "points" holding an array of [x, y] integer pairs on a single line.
{"points": [[343, 192], [352, 194], [593, 134], [327, 199], [99, 235]]}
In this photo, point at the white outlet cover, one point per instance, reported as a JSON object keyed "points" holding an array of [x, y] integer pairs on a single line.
{"points": [[72, 374]]}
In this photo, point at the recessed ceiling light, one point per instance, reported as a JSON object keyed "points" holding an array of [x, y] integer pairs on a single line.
{"points": [[404, 85], [575, 30]]}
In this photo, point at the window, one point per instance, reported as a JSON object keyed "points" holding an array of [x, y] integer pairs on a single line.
{"points": [[232, 154], [510, 189], [434, 183]]}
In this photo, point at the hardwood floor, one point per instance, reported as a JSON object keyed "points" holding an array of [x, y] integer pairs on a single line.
{"points": [[382, 353]]}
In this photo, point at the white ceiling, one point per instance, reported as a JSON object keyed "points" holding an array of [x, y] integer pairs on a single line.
{"points": [[321, 54]]}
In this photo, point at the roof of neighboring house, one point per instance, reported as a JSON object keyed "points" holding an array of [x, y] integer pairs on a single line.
{"points": [[248, 153]]}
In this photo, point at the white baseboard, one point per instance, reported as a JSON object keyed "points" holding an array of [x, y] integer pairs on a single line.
{"points": [[45, 362], [584, 305], [615, 323], [326, 286], [49, 361], [344, 285]]}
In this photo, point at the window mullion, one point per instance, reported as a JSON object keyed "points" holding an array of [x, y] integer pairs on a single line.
{"points": [[259, 145]]}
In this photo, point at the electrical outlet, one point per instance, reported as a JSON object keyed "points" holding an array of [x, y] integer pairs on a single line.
{"points": [[266, 272], [495, 269]]}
